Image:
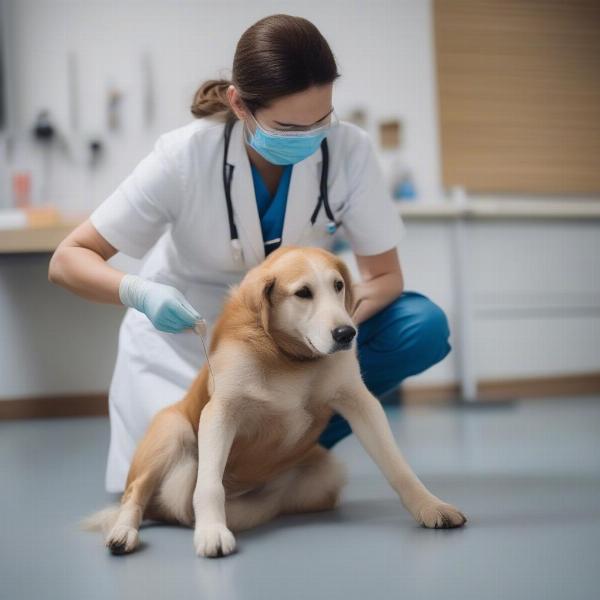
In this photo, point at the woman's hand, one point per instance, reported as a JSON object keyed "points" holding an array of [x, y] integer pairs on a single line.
{"points": [[373, 295], [359, 294], [164, 305], [382, 282]]}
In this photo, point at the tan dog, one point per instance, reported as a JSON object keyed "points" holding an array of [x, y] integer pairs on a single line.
{"points": [[237, 451]]}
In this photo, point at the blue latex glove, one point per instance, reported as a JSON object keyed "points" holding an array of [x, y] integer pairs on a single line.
{"points": [[164, 305]]}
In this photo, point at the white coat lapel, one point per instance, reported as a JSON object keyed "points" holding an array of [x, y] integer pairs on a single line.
{"points": [[302, 198], [243, 199]]}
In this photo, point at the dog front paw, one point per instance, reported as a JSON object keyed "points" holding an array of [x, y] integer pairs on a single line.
{"points": [[213, 540], [440, 515], [122, 539]]}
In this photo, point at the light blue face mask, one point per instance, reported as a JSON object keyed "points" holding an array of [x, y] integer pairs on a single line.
{"points": [[282, 149]]}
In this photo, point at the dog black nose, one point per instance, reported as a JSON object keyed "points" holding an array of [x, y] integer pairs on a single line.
{"points": [[343, 334]]}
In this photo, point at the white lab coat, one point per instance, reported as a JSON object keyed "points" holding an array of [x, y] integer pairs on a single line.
{"points": [[173, 204]]}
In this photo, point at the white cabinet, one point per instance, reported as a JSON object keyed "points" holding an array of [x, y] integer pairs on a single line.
{"points": [[535, 292]]}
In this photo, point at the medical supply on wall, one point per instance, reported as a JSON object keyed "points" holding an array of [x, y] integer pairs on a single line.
{"points": [[96, 150], [73, 90], [389, 134], [43, 130], [21, 189], [114, 108], [358, 116], [43, 133], [396, 170], [402, 185], [48, 138]]}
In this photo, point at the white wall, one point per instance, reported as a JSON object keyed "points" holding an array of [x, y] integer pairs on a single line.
{"points": [[383, 49]]}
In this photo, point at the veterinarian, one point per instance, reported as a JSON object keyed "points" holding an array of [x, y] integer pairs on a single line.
{"points": [[204, 219]]}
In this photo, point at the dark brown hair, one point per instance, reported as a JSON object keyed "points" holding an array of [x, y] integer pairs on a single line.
{"points": [[277, 56]]}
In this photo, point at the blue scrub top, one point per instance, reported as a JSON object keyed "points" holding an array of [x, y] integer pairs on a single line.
{"points": [[271, 210]]}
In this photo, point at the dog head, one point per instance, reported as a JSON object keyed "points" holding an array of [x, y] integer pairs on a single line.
{"points": [[303, 299]]}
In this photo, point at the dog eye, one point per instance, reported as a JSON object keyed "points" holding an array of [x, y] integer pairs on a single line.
{"points": [[304, 292], [338, 285]]}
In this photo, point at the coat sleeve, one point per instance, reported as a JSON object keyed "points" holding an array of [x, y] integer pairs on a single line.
{"points": [[138, 212], [371, 221]]}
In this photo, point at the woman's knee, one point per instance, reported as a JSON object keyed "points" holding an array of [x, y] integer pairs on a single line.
{"points": [[431, 331], [412, 328]]}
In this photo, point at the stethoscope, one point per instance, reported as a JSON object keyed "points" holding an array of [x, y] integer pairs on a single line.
{"points": [[236, 247]]}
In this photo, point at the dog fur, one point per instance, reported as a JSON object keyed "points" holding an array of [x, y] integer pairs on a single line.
{"points": [[240, 449]]}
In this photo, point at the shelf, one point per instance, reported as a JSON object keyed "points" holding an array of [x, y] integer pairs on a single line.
{"points": [[502, 209], [46, 239], [29, 240]]}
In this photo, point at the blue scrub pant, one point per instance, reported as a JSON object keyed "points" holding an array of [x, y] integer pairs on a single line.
{"points": [[404, 338]]}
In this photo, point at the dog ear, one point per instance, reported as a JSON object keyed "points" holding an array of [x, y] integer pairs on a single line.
{"points": [[348, 285], [258, 296], [266, 300]]}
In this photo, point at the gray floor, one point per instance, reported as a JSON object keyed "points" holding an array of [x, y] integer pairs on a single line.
{"points": [[528, 476]]}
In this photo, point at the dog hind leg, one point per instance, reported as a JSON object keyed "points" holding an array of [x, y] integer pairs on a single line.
{"points": [[258, 506], [173, 501], [314, 484], [318, 484], [156, 455]]}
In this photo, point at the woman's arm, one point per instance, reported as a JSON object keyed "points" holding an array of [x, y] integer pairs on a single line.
{"points": [[382, 282], [79, 265]]}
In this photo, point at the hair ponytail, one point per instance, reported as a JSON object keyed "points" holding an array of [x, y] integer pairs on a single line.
{"points": [[211, 99], [277, 56]]}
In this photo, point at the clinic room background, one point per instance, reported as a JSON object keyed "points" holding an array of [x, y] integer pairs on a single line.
{"points": [[485, 119], [527, 305]]}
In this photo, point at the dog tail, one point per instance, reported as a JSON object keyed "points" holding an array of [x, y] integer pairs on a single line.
{"points": [[102, 520]]}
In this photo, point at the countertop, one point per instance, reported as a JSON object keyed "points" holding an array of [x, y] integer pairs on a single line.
{"points": [[45, 239]]}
